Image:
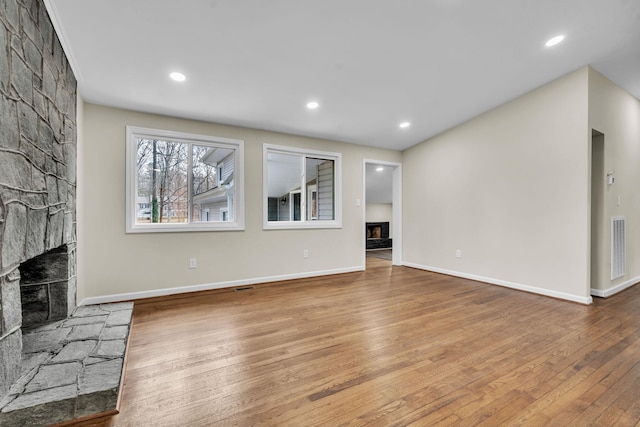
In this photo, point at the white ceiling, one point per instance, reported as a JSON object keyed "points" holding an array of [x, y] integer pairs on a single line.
{"points": [[379, 183], [369, 63]]}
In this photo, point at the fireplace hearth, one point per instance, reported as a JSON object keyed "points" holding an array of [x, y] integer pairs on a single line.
{"points": [[71, 368]]}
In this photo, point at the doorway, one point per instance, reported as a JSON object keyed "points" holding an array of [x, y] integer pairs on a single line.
{"points": [[382, 211]]}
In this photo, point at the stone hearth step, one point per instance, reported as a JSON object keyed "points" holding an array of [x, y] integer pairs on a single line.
{"points": [[71, 368]]}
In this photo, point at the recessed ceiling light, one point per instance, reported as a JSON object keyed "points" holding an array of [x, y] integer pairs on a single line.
{"points": [[405, 125], [554, 40], [312, 105], [179, 77], [379, 169]]}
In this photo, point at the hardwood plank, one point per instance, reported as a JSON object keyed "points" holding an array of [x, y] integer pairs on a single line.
{"points": [[390, 346]]}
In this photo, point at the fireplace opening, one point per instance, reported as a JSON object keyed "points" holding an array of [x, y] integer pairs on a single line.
{"points": [[44, 288], [377, 235], [377, 230], [374, 232]]}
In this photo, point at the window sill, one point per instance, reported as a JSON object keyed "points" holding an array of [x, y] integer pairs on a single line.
{"points": [[183, 228], [310, 225]]}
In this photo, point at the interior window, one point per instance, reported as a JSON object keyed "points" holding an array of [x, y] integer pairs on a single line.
{"points": [[301, 188]]}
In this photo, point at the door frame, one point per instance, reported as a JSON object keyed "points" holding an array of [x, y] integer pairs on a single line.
{"points": [[396, 204]]}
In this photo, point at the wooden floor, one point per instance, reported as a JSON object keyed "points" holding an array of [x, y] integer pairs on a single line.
{"points": [[380, 253], [386, 347]]}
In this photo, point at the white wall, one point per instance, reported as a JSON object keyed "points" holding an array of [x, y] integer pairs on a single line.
{"points": [[138, 264], [510, 189], [380, 212], [616, 114]]}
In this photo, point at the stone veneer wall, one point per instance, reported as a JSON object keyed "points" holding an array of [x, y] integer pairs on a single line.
{"points": [[37, 161]]}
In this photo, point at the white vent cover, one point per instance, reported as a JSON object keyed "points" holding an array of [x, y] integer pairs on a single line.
{"points": [[618, 247]]}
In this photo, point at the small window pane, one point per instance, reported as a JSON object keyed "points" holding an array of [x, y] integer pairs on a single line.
{"points": [[284, 172], [162, 182], [212, 172], [320, 189]]}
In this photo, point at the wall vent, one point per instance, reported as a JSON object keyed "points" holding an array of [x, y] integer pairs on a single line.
{"points": [[618, 247]]}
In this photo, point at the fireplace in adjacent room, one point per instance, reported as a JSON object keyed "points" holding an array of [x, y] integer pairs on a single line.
{"points": [[378, 235]]}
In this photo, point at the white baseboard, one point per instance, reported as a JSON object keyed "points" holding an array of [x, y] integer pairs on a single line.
{"points": [[209, 286], [604, 293], [504, 283]]}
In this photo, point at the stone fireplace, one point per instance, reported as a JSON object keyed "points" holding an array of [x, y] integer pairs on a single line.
{"points": [[37, 179], [58, 362]]}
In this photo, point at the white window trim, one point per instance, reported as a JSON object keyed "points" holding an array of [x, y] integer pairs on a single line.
{"points": [[285, 225], [133, 133]]}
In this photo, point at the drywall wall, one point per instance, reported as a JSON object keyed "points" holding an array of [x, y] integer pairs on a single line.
{"points": [[117, 265], [509, 190], [616, 114], [598, 231], [380, 212]]}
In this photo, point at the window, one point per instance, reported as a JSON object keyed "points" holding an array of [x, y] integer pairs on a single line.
{"points": [[302, 188], [220, 172], [183, 182]]}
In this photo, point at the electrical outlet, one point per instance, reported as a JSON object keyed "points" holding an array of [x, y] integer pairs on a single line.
{"points": [[305, 253], [458, 253], [193, 263]]}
